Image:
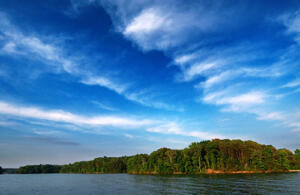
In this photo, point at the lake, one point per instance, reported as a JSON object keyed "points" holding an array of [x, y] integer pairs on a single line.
{"points": [[284, 183]]}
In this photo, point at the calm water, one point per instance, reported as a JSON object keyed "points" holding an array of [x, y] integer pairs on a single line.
{"points": [[147, 184]]}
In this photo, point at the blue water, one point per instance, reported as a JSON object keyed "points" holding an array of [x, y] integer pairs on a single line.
{"points": [[285, 183]]}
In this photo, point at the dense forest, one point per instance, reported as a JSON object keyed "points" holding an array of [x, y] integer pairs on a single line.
{"points": [[1, 170], [39, 169], [223, 155]]}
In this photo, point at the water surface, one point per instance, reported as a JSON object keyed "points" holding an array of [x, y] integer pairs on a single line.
{"points": [[284, 183]]}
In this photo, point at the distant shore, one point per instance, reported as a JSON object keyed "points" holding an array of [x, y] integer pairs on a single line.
{"points": [[210, 171], [219, 172], [294, 171], [206, 157]]}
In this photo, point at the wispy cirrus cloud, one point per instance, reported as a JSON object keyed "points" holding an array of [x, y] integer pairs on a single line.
{"points": [[67, 117], [52, 132], [229, 83], [61, 119], [6, 123], [155, 26], [105, 82], [52, 52], [292, 23], [277, 116], [149, 25], [104, 106], [17, 43], [174, 129], [164, 24], [238, 102], [291, 84], [52, 140], [143, 97]]}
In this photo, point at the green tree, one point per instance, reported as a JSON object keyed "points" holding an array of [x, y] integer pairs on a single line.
{"points": [[297, 156], [282, 161], [225, 155], [268, 157]]}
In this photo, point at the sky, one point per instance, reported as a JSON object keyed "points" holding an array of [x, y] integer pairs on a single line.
{"points": [[83, 79]]}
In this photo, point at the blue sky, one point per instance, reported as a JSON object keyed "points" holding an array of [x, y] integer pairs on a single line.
{"points": [[82, 79]]}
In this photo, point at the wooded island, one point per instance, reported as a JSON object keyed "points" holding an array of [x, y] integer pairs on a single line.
{"points": [[216, 156]]}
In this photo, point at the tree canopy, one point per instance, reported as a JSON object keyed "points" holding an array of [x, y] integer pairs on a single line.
{"points": [[224, 155], [39, 169]]}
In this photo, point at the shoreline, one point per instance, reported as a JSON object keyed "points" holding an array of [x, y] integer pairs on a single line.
{"points": [[207, 172], [294, 171], [211, 172], [219, 172]]}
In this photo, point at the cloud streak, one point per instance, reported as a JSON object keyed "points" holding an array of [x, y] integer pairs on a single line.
{"points": [[174, 129], [292, 84], [64, 118], [292, 22], [54, 55], [178, 33], [67, 117], [52, 140], [32, 46]]}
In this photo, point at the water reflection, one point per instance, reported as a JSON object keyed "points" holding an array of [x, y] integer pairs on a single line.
{"points": [[148, 184]]}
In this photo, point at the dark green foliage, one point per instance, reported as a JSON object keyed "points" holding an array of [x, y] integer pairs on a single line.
{"points": [[297, 156], [39, 169], [138, 163], [9, 171], [223, 155], [1, 170], [99, 165]]}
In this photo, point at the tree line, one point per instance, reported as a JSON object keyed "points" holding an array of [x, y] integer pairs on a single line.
{"points": [[224, 155], [39, 169]]}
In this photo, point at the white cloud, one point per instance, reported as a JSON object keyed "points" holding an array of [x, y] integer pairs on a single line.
{"points": [[162, 24], [46, 132], [174, 129], [271, 116], [293, 121], [178, 32], [295, 124], [143, 98], [104, 82], [222, 64], [34, 47], [148, 21], [291, 84], [243, 99], [235, 101], [49, 53], [128, 136], [184, 59], [149, 25], [292, 23], [7, 123], [218, 79], [104, 106], [67, 117], [269, 71], [199, 69], [9, 47]]}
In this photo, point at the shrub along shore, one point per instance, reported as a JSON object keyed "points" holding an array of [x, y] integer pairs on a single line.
{"points": [[206, 157]]}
